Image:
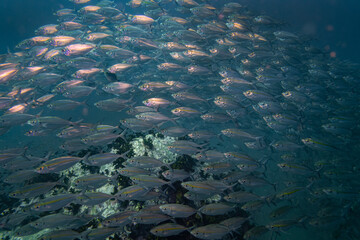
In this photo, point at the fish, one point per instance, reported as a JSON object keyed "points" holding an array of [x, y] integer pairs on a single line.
{"points": [[144, 162], [7, 74], [283, 224], [56, 219], [241, 197], [175, 131], [253, 181], [280, 211], [211, 231], [91, 181], [233, 223], [177, 210], [34, 190], [185, 112], [54, 203], [75, 131], [78, 91], [318, 145], [20, 176], [92, 198], [218, 167], [154, 117], [216, 117], [64, 105], [118, 219], [149, 218], [102, 159], [133, 171], [14, 119], [49, 122], [78, 49], [58, 164], [100, 138], [296, 169], [120, 67], [255, 232], [112, 104], [61, 234], [215, 209], [132, 192], [79, 1], [175, 175], [98, 233], [137, 125], [199, 187], [148, 180], [157, 102], [167, 229]]}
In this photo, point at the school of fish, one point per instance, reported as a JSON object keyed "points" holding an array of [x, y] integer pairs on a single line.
{"points": [[264, 127]]}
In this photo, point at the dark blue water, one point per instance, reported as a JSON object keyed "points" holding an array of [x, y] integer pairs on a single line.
{"points": [[332, 24]]}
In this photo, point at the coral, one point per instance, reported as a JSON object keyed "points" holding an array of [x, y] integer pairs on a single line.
{"points": [[154, 146]]}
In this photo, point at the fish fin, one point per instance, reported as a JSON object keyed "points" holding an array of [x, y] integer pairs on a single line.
{"points": [[200, 215], [123, 155], [122, 135], [61, 181], [171, 186], [113, 179], [84, 158]]}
